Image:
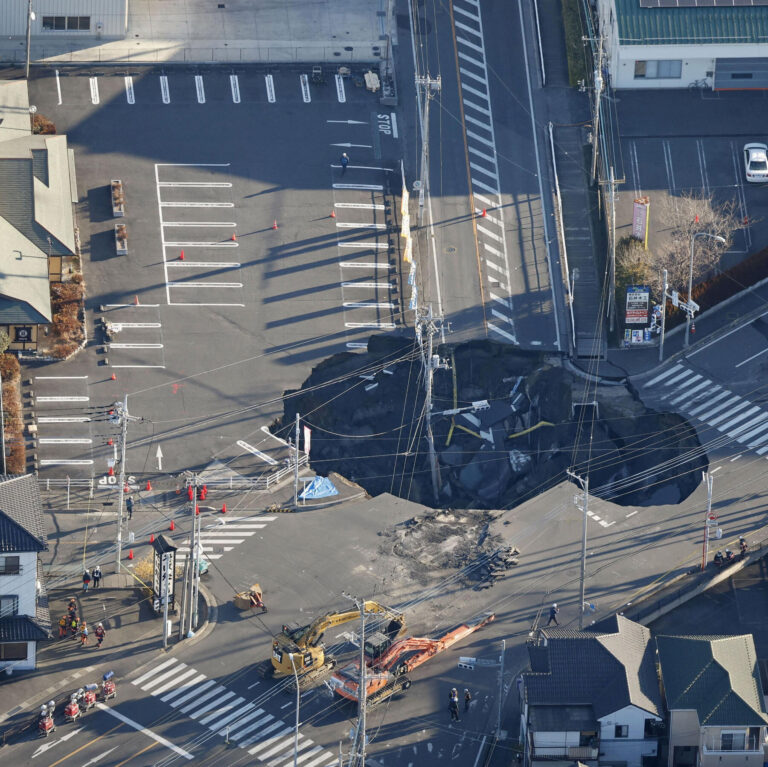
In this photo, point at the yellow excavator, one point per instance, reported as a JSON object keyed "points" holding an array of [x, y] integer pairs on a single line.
{"points": [[300, 648]]}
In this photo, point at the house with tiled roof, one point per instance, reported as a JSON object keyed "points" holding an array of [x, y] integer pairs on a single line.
{"points": [[591, 696], [37, 225], [24, 617], [719, 44], [717, 712]]}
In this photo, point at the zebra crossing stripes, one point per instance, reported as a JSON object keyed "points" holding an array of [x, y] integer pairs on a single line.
{"points": [[223, 535], [266, 737], [713, 404]]}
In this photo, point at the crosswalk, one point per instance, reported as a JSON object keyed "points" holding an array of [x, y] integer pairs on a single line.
{"points": [[699, 397], [263, 735], [222, 535]]}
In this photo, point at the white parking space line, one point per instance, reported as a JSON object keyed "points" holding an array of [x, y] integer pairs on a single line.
{"points": [[364, 265], [63, 441], [63, 462], [129, 92], [205, 284], [63, 419], [60, 378], [135, 346], [340, 93], [118, 326], [203, 264], [132, 306], [384, 325], [359, 205], [364, 245], [225, 244], [228, 224], [196, 184], [165, 92], [137, 366], [305, 93], [373, 285], [363, 187], [94, 82], [62, 399], [197, 204], [200, 89], [269, 81], [235, 87]]}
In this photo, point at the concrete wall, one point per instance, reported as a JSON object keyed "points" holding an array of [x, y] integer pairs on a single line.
{"points": [[632, 748], [112, 15], [683, 731]]}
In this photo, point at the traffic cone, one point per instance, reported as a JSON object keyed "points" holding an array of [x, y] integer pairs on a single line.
{"points": [[205, 491], [190, 492], [223, 508], [484, 213], [152, 538], [135, 300], [126, 489], [130, 553], [172, 526], [233, 237], [109, 441], [111, 471], [114, 377], [197, 510], [333, 214], [696, 219], [149, 485], [746, 220], [181, 256], [274, 225]]}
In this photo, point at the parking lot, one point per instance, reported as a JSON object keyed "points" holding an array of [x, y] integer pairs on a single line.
{"points": [[683, 142], [252, 254]]}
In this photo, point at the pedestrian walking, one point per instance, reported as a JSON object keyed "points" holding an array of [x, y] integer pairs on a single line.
{"points": [[96, 576], [72, 608], [467, 699], [74, 625], [453, 705], [63, 623], [553, 611], [129, 507], [100, 634], [86, 580], [84, 635], [344, 162]]}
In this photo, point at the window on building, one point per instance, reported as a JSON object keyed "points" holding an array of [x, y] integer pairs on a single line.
{"points": [[661, 69], [621, 731], [13, 651], [62, 23], [9, 605], [9, 566], [732, 741]]}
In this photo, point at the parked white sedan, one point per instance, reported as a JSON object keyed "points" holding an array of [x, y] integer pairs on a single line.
{"points": [[756, 163]]}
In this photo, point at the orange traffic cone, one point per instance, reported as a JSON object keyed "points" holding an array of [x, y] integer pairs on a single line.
{"points": [[190, 492], [223, 508], [152, 538], [111, 471], [274, 225], [149, 485], [109, 441], [333, 214], [197, 509], [130, 553], [484, 213], [114, 377], [135, 300], [233, 238], [172, 526], [181, 256]]}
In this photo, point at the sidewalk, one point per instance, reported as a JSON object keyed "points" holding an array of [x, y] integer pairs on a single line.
{"points": [[134, 636]]}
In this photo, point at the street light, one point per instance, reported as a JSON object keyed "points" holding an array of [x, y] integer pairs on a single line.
{"points": [[30, 19], [689, 313], [298, 704]]}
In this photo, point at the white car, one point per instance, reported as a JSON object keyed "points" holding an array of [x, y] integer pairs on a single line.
{"points": [[756, 163]]}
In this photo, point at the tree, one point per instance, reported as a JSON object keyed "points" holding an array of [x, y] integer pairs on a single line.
{"points": [[5, 341]]}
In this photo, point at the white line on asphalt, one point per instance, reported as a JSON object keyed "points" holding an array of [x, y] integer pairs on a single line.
{"points": [[736, 458], [62, 462], [251, 449], [118, 326], [130, 306], [62, 399], [64, 419], [138, 366], [204, 264], [225, 244], [187, 691], [372, 285], [253, 685], [189, 303], [197, 204], [749, 359], [364, 245], [340, 93], [360, 205], [58, 86], [197, 184], [388, 325], [352, 225], [305, 94], [136, 726], [63, 441], [363, 187], [368, 305], [717, 469], [200, 88], [94, 90], [363, 265], [129, 92], [357, 345], [235, 86], [60, 378], [474, 76], [135, 346], [674, 369], [205, 284], [229, 224], [631, 514], [194, 164], [270, 83], [503, 333], [165, 92], [395, 133]]}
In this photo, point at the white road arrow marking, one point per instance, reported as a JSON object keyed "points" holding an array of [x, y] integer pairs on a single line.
{"points": [[348, 122], [98, 758], [159, 456], [349, 146], [50, 744]]}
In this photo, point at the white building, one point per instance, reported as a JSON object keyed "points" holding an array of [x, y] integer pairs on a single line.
{"points": [[24, 617], [61, 19], [719, 44]]}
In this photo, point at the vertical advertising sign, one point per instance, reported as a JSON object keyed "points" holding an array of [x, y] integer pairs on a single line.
{"points": [[640, 220], [638, 300]]}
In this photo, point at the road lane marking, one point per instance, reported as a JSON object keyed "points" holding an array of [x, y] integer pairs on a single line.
{"points": [[395, 133], [64, 419], [130, 95], [90, 742], [373, 285], [196, 184], [204, 264], [62, 462], [165, 92], [340, 93], [138, 366], [251, 449], [352, 225], [133, 756], [362, 187], [62, 399], [368, 305], [631, 514], [60, 378], [270, 83], [136, 726], [749, 359], [305, 94], [197, 244], [364, 265], [94, 82], [205, 284], [372, 245], [235, 86], [385, 325], [360, 205], [135, 346], [228, 224], [200, 88], [64, 441], [197, 204]]}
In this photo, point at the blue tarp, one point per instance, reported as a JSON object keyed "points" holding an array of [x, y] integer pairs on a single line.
{"points": [[319, 487]]}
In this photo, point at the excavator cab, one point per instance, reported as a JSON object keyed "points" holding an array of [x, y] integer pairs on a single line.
{"points": [[376, 645]]}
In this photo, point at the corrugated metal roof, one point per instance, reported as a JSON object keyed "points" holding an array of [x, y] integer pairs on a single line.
{"points": [[21, 515], [21, 628], [690, 26]]}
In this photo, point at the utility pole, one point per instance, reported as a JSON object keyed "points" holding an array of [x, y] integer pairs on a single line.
{"points": [[196, 570], [709, 479], [430, 86], [612, 235], [121, 413], [426, 323], [298, 709], [296, 466], [501, 688], [663, 316], [585, 486], [30, 16], [358, 753], [194, 566], [596, 115]]}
